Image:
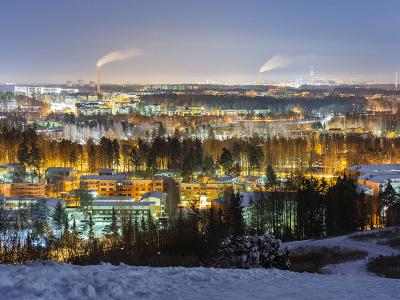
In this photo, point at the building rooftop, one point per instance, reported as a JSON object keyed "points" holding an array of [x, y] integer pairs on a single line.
{"points": [[375, 168], [161, 196], [114, 198], [121, 203], [29, 200], [59, 169], [104, 177], [379, 177]]}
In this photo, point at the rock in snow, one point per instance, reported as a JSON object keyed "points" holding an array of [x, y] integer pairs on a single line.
{"points": [[63, 281]]}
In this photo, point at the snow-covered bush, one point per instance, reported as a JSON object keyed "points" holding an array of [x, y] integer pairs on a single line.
{"points": [[252, 252]]}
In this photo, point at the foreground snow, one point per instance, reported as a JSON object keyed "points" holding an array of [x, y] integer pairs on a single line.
{"points": [[61, 281]]}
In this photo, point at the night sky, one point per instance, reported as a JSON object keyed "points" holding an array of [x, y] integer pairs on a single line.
{"points": [[193, 41]]}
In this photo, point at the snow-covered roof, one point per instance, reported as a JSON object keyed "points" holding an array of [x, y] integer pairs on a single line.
{"points": [[158, 195], [225, 179], [114, 198], [375, 168], [59, 169], [104, 177], [121, 203], [379, 177], [52, 202]]}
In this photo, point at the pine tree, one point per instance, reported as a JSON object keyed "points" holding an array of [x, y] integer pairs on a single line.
{"points": [[151, 162], [389, 196], [129, 234], [213, 231], [341, 210], [173, 198], [115, 153], [234, 213], [114, 224], [91, 234], [389, 201], [310, 209], [23, 152], [66, 235], [59, 216], [135, 159], [271, 176], [34, 156], [151, 224], [74, 232], [85, 199], [226, 161]]}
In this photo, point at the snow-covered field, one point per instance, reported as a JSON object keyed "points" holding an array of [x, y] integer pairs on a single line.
{"points": [[60, 281], [357, 267]]}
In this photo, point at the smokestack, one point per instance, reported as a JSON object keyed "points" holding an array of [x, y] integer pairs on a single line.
{"points": [[98, 79], [396, 81]]}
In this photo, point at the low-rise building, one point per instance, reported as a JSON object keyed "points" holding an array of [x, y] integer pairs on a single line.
{"points": [[136, 188], [121, 185], [103, 185], [59, 180], [123, 207], [23, 189], [201, 193], [159, 200], [37, 208], [371, 179]]}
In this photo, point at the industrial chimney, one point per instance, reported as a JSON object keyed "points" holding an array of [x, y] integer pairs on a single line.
{"points": [[98, 78]]}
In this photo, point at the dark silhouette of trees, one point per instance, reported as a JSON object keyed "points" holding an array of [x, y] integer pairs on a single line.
{"points": [[173, 197], [341, 215], [389, 201], [226, 161], [310, 201], [233, 213]]}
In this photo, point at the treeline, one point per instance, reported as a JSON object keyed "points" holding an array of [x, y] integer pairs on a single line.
{"points": [[331, 104], [308, 207], [327, 154]]}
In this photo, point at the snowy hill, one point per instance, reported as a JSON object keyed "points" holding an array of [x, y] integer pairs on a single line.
{"points": [[61, 281]]}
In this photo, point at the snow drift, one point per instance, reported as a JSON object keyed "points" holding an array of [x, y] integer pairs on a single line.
{"points": [[61, 281]]}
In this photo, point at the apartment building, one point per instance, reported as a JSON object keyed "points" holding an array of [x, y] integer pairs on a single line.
{"points": [[121, 185]]}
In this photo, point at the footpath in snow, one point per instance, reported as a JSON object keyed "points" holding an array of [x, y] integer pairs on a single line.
{"points": [[356, 267], [62, 281]]}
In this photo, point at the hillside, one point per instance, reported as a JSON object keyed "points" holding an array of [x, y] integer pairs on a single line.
{"points": [[371, 242]]}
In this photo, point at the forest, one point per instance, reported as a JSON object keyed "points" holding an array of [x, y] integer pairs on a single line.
{"points": [[302, 208], [320, 154], [275, 105]]}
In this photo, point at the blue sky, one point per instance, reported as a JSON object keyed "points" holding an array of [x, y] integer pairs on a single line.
{"points": [[192, 41]]}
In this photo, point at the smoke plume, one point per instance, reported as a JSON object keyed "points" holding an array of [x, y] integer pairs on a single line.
{"points": [[118, 56], [275, 62]]}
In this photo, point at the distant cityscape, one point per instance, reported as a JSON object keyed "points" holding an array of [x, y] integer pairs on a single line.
{"points": [[129, 146]]}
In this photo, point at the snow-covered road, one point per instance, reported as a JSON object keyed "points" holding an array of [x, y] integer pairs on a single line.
{"points": [[60, 281]]}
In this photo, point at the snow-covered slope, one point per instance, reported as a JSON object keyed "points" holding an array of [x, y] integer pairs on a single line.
{"points": [[357, 267], [60, 281]]}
